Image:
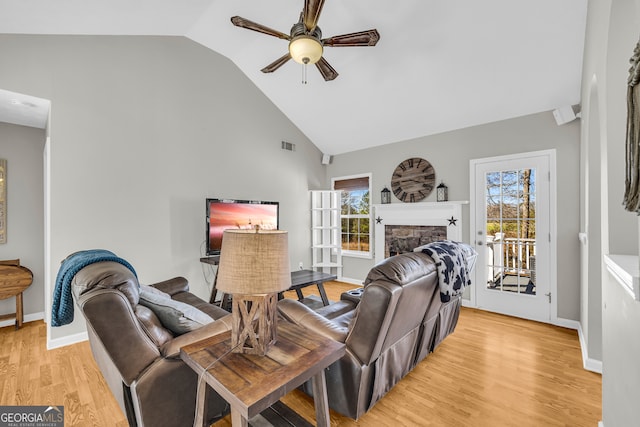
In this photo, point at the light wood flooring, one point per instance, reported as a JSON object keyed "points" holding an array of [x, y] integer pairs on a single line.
{"points": [[492, 371]]}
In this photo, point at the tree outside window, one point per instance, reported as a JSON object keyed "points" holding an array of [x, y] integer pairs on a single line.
{"points": [[355, 216], [511, 214]]}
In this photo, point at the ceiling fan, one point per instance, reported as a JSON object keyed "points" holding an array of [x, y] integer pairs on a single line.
{"points": [[305, 40]]}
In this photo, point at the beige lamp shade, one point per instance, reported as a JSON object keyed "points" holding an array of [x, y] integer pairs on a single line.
{"points": [[305, 49], [254, 262]]}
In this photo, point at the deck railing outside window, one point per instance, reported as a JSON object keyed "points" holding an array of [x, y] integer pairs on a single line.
{"points": [[511, 255]]}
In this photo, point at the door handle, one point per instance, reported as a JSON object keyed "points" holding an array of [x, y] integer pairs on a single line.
{"points": [[479, 243]]}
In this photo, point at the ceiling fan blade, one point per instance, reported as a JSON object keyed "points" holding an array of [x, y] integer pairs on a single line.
{"points": [[327, 71], [250, 25], [311, 13], [361, 38], [276, 64]]}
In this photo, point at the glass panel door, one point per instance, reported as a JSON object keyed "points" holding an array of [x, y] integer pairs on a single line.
{"points": [[511, 230]]}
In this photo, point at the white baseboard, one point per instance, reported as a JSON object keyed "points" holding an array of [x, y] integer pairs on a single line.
{"points": [[600, 424], [68, 340], [27, 318], [357, 282], [566, 323], [51, 344], [589, 364], [593, 365]]}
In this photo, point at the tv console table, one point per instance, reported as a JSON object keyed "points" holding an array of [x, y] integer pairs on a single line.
{"points": [[299, 279]]}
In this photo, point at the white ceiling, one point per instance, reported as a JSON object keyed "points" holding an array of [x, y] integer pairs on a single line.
{"points": [[439, 65]]}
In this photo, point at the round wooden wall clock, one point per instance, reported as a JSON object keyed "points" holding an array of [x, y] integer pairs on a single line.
{"points": [[413, 180]]}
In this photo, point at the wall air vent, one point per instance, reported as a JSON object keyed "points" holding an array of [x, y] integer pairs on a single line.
{"points": [[288, 146]]}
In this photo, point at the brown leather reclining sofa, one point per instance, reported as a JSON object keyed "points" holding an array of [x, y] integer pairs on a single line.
{"points": [[395, 323], [137, 355]]}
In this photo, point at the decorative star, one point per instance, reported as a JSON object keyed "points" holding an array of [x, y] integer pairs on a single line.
{"points": [[452, 220], [378, 220]]}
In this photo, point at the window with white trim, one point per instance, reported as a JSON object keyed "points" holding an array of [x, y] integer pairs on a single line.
{"points": [[355, 214]]}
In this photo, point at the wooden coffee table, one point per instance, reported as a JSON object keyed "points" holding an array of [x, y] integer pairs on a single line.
{"points": [[303, 278], [299, 279], [251, 383]]}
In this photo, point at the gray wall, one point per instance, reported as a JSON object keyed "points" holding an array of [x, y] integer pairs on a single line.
{"points": [[22, 147], [143, 129], [450, 152], [623, 35]]}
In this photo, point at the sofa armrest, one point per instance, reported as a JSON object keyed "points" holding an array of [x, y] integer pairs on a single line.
{"points": [[300, 314], [172, 348], [173, 286], [353, 295]]}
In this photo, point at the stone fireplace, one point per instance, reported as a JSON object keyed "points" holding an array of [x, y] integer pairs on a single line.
{"points": [[400, 227], [404, 238]]}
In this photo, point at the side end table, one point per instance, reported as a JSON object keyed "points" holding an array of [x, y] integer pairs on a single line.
{"points": [[252, 383], [14, 279]]}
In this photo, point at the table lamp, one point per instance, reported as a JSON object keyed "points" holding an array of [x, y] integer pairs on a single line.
{"points": [[254, 268]]}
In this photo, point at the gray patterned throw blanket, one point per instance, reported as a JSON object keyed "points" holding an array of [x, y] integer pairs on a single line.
{"points": [[451, 260]]}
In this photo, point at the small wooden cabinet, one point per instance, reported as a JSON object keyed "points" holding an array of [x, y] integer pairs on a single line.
{"points": [[326, 244]]}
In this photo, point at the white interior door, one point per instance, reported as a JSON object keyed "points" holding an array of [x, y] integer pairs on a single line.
{"points": [[511, 232]]}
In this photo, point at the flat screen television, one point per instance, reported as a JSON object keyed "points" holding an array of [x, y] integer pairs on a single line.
{"points": [[241, 214]]}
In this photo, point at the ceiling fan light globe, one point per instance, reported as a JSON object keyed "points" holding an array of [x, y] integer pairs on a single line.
{"points": [[305, 49]]}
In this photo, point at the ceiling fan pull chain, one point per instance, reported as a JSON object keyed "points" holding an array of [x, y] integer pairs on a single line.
{"points": [[304, 74]]}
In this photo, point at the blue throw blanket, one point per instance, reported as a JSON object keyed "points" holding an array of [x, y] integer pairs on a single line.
{"points": [[62, 308], [451, 263]]}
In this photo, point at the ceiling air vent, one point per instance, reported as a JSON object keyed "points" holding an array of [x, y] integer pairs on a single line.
{"points": [[288, 146]]}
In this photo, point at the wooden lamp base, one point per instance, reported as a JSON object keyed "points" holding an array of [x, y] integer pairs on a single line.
{"points": [[254, 323]]}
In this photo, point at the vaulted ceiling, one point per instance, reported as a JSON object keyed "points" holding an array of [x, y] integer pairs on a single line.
{"points": [[439, 65]]}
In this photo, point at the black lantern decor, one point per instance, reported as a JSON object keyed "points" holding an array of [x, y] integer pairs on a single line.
{"points": [[442, 192], [385, 196]]}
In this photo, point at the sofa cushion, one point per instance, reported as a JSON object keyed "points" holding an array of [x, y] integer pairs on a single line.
{"points": [[152, 325], [176, 316]]}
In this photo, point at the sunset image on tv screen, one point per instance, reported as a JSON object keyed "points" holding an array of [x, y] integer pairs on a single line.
{"points": [[239, 216]]}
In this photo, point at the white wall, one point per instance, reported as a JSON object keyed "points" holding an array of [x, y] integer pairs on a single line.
{"points": [[612, 33], [450, 152], [22, 147], [143, 129], [593, 197]]}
